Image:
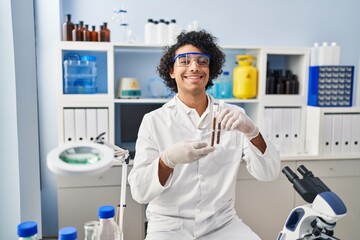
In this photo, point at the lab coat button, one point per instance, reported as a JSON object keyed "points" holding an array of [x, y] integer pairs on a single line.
{"points": [[201, 177], [197, 210]]}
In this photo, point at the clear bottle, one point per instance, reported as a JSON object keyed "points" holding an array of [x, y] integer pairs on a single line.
{"points": [[68, 233], [226, 85], [108, 229], [27, 231], [67, 28]]}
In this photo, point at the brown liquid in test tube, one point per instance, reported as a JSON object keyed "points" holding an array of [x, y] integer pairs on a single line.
{"points": [[218, 134], [213, 132]]}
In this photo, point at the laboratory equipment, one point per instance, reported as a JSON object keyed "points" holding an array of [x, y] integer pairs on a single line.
{"points": [[89, 158], [316, 220], [80, 74], [108, 229], [129, 87], [27, 230], [245, 78], [216, 126], [91, 230], [67, 28], [68, 233], [150, 32]]}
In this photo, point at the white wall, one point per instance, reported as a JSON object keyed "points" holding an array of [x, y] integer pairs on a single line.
{"points": [[234, 22], [47, 37], [19, 152]]}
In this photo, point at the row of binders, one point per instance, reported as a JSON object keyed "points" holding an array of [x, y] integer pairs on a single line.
{"points": [[341, 133], [282, 126], [85, 124]]}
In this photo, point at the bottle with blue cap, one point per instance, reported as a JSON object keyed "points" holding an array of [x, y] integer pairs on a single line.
{"points": [[108, 229], [27, 231], [68, 233]]}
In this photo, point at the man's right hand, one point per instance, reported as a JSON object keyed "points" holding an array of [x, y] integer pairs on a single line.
{"points": [[185, 152]]}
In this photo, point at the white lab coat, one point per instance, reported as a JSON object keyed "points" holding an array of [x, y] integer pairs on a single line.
{"points": [[202, 192]]}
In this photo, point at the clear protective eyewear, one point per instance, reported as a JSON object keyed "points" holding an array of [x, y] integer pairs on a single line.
{"points": [[185, 59]]}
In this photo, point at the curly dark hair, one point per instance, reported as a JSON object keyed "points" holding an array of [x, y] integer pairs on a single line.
{"points": [[200, 39]]}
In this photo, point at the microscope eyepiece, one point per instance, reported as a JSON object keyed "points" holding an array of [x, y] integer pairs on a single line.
{"points": [[305, 172], [290, 174]]}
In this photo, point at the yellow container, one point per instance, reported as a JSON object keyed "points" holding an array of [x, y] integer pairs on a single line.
{"points": [[245, 78]]}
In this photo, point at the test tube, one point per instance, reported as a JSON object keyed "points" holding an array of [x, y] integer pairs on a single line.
{"points": [[214, 113], [221, 104]]}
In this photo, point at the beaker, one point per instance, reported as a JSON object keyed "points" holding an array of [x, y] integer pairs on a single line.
{"points": [[91, 230]]}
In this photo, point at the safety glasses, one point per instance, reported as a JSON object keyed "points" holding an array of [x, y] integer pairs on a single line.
{"points": [[185, 59]]}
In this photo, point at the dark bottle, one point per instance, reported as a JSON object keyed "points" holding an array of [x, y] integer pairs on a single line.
{"points": [[270, 85], [67, 28], [94, 35], [86, 33], [296, 84], [101, 35], [107, 32], [280, 86], [289, 86], [76, 33], [81, 31]]}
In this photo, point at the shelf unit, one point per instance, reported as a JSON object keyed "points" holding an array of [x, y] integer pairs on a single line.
{"points": [[140, 61], [125, 60]]}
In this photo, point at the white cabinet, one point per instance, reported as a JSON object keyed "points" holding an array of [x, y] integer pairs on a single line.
{"points": [[264, 206], [342, 177], [80, 197], [333, 131]]}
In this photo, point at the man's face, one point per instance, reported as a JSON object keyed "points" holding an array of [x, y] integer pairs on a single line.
{"points": [[191, 71]]}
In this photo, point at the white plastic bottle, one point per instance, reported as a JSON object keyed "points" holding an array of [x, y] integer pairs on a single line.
{"points": [[162, 32], [150, 32], [335, 54], [27, 231], [68, 233], [173, 31], [314, 55], [324, 54], [108, 229]]}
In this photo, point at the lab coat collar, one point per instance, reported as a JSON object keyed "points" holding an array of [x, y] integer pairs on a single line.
{"points": [[182, 111]]}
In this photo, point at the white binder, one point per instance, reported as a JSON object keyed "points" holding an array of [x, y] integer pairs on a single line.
{"points": [[337, 133], [346, 134], [91, 124], [69, 125], [327, 134], [80, 124], [286, 130], [103, 123], [296, 144], [277, 122], [355, 136]]}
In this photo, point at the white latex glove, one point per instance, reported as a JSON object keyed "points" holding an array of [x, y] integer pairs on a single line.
{"points": [[236, 119], [185, 152]]}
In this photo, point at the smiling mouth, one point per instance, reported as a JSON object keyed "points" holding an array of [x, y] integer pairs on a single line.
{"points": [[194, 77]]}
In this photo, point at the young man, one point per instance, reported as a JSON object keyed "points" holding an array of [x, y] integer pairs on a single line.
{"points": [[188, 184]]}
